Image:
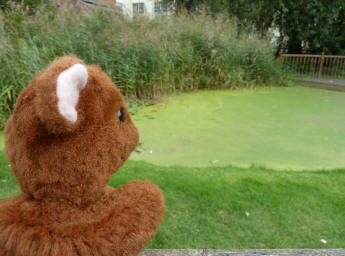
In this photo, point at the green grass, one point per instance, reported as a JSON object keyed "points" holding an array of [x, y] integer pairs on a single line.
{"points": [[281, 128], [206, 207]]}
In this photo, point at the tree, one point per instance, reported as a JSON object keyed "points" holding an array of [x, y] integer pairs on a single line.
{"points": [[304, 25], [312, 26]]}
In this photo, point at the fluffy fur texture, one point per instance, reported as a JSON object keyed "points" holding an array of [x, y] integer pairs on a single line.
{"points": [[63, 168], [69, 84]]}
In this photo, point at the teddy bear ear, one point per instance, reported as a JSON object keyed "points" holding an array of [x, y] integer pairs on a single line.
{"points": [[69, 85], [57, 93]]}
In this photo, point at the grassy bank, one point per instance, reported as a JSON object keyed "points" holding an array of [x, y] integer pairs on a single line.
{"points": [[228, 207], [145, 58]]}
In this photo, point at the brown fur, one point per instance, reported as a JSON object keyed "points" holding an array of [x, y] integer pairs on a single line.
{"points": [[63, 170]]}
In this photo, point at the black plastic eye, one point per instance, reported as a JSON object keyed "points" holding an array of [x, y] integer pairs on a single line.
{"points": [[121, 115]]}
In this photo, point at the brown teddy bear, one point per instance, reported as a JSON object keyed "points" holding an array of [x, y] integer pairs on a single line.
{"points": [[69, 132]]}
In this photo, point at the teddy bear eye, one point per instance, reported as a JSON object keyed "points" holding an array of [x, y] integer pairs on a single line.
{"points": [[121, 115]]}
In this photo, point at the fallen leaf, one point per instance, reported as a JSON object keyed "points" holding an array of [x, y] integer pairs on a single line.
{"points": [[323, 241]]}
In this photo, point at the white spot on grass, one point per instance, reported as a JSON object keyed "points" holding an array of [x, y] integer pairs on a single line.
{"points": [[323, 241]]}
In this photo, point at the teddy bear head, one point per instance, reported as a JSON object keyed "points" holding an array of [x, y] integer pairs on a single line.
{"points": [[69, 132]]}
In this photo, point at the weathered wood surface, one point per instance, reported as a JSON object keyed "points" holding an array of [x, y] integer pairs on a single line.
{"points": [[281, 252]]}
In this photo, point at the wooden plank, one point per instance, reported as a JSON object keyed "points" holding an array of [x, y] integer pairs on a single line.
{"points": [[326, 64], [319, 73], [330, 66], [343, 70], [303, 68]]}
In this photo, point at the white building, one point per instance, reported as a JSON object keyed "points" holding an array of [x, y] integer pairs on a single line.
{"points": [[149, 8]]}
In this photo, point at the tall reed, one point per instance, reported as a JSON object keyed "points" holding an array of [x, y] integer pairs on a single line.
{"points": [[145, 58]]}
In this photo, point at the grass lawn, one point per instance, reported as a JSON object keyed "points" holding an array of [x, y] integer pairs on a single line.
{"points": [[217, 205], [208, 207], [281, 128]]}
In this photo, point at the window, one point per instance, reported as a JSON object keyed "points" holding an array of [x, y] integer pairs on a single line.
{"points": [[139, 8], [160, 8], [119, 5]]}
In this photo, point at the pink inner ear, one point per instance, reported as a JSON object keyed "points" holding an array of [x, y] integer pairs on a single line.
{"points": [[69, 84]]}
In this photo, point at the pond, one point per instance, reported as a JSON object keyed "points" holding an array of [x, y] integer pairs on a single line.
{"points": [[294, 128]]}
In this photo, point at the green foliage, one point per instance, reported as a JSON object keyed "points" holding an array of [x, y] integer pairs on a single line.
{"points": [[308, 26], [145, 58], [30, 4], [314, 26]]}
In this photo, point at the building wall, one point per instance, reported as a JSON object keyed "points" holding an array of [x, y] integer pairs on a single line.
{"points": [[110, 2], [65, 2], [127, 7], [76, 2]]}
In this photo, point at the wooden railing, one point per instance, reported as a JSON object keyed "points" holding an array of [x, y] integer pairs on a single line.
{"points": [[315, 66]]}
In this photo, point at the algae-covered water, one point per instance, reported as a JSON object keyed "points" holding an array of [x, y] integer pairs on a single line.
{"points": [[282, 128]]}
